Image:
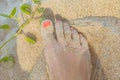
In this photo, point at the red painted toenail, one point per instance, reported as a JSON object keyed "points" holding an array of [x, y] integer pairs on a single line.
{"points": [[46, 24]]}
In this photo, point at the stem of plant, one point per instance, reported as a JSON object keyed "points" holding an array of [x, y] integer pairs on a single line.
{"points": [[7, 41], [21, 27]]}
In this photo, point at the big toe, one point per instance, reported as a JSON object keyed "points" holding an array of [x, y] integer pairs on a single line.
{"points": [[47, 30]]}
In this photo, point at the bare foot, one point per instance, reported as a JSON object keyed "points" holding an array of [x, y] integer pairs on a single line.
{"points": [[66, 51]]}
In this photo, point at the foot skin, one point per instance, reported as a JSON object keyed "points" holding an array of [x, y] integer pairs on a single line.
{"points": [[66, 51]]}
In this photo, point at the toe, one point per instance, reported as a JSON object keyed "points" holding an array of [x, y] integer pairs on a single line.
{"points": [[75, 37], [59, 30], [83, 42], [67, 32], [47, 30]]}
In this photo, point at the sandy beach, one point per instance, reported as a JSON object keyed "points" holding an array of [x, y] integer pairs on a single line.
{"points": [[103, 39]]}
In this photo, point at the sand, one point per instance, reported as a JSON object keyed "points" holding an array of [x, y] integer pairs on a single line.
{"points": [[104, 41]]}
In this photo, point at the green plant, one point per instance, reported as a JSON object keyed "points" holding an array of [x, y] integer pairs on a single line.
{"points": [[26, 9]]}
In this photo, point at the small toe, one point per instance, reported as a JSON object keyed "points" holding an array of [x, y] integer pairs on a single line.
{"points": [[75, 37], [67, 32], [83, 42], [47, 30], [59, 31]]}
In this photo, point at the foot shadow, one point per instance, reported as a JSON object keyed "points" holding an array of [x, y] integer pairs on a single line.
{"points": [[97, 72]]}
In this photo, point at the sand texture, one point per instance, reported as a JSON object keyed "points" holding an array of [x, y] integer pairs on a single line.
{"points": [[102, 30]]}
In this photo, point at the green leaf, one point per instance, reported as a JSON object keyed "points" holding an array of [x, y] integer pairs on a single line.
{"points": [[13, 12], [5, 26], [4, 15], [26, 8], [37, 1], [40, 10], [7, 59], [30, 40]]}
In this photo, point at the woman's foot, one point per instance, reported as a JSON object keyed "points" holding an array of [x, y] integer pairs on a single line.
{"points": [[66, 51]]}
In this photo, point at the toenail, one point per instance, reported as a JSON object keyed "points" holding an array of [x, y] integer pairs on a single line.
{"points": [[46, 24], [71, 28], [65, 24], [58, 21]]}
